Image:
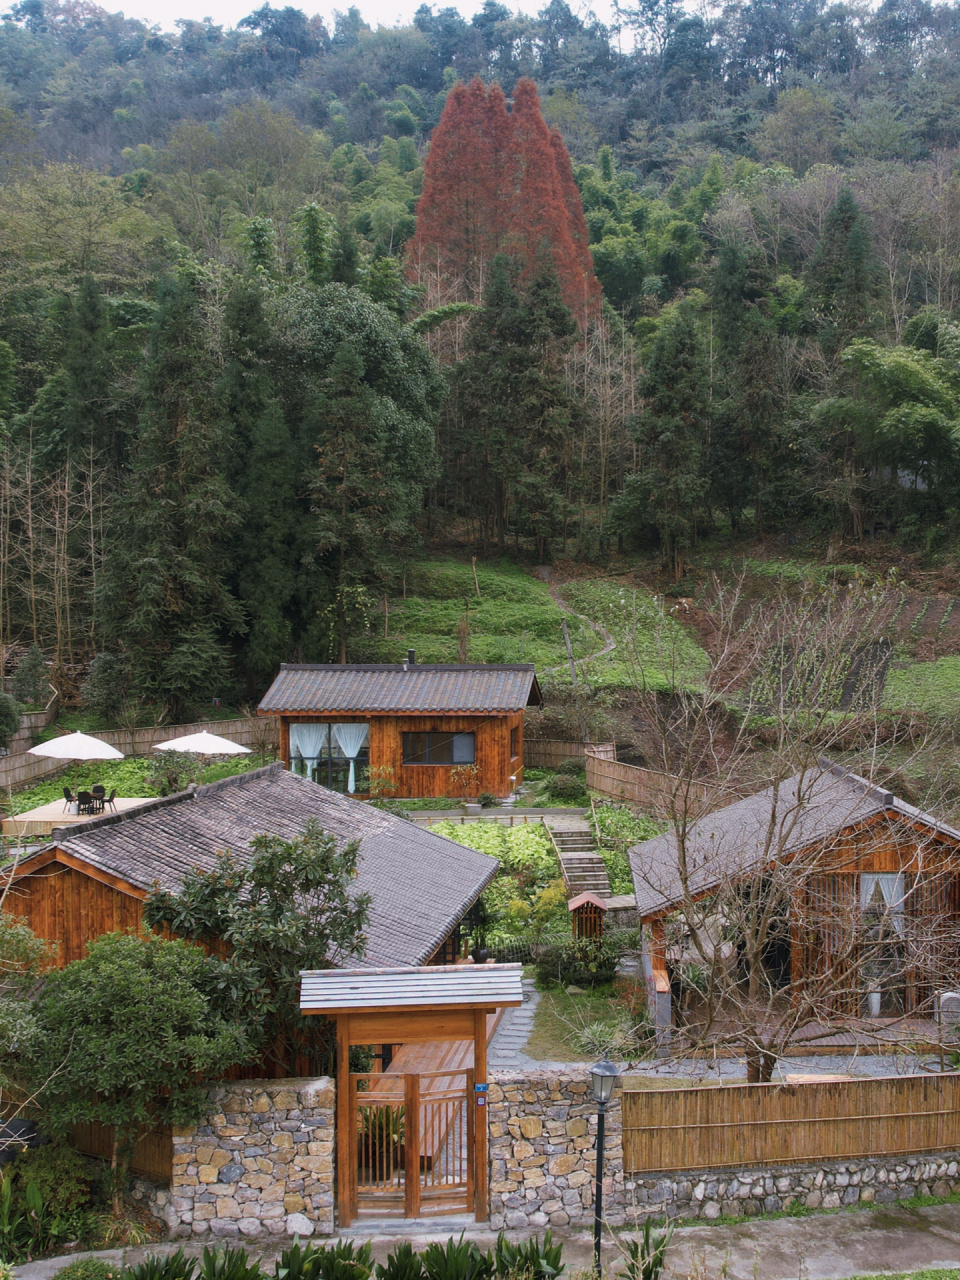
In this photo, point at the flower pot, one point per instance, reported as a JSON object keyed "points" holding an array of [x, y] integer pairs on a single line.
{"points": [[480, 955]]}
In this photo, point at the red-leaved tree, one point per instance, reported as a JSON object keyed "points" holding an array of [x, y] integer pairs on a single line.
{"points": [[497, 181]]}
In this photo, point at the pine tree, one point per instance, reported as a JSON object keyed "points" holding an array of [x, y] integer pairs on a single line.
{"points": [[841, 276], [345, 258], [165, 603], [263, 474], [315, 232], [498, 182], [668, 491]]}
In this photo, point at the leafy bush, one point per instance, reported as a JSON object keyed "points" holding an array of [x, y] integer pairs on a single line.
{"points": [[31, 680], [532, 1260], [579, 962], [487, 800], [170, 1266], [572, 768], [91, 1269], [460, 1260], [60, 1174], [11, 713], [35, 1226], [105, 689], [402, 1264], [564, 787], [624, 1037], [644, 1258], [228, 1264]]}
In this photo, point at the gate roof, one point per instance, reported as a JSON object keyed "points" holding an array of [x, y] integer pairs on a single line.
{"points": [[440, 986]]}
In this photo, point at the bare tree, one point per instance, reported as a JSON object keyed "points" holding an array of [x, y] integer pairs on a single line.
{"points": [[794, 895]]}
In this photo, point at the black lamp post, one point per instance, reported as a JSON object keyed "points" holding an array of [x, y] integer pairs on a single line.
{"points": [[602, 1079]]}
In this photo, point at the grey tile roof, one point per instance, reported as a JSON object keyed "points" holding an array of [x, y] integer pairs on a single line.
{"points": [[809, 807], [421, 883], [420, 687]]}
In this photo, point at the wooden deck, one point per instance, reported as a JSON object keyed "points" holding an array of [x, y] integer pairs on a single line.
{"points": [[42, 820]]}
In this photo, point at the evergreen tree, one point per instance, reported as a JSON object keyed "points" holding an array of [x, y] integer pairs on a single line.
{"points": [[373, 459], [315, 236], [164, 601], [345, 258], [263, 474], [841, 276], [512, 419], [672, 430]]}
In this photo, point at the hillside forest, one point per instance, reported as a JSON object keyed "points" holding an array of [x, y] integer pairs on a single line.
{"points": [[281, 306]]}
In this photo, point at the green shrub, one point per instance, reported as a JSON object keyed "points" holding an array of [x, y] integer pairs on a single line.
{"points": [[90, 1269], [60, 1174], [644, 1258], [31, 680], [401, 1264], [11, 714], [578, 962], [170, 1266], [460, 1260], [572, 768], [228, 1264], [563, 787], [487, 800], [531, 1260], [105, 688]]}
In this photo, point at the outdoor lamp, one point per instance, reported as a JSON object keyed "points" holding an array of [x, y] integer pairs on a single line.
{"points": [[602, 1079]]}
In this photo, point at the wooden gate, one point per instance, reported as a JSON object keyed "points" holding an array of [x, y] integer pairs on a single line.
{"points": [[415, 1143]]}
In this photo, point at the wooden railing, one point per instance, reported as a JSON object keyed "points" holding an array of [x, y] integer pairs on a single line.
{"points": [[765, 1124], [547, 753]]}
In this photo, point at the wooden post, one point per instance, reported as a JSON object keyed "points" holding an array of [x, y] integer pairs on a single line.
{"points": [[480, 1165], [411, 1154], [346, 1127], [283, 741]]}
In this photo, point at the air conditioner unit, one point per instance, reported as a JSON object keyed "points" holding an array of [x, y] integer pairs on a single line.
{"points": [[948, 1008]]}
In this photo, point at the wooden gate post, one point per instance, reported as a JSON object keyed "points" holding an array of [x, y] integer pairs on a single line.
{"points": [[479, 1104], [346, 1128], [411, 1147]]}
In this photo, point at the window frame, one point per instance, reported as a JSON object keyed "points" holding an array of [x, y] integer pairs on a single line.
{"points": [[436, 733]]}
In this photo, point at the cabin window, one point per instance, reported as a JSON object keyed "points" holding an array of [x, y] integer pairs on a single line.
{"points": [[439, 748], [514, 743], [883, 955], [335, 755]]}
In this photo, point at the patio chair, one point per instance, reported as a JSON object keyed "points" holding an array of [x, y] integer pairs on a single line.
{"points": [[67, 798], [108, 803], [85, 802], [99, 796]]}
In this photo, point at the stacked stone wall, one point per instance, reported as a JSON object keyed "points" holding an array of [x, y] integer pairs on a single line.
{"points": [[543, 1162], [261, 1163]]}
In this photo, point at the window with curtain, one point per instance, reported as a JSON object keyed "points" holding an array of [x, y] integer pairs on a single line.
{"points": [[439, 748], [335, 755], [882, 904]]}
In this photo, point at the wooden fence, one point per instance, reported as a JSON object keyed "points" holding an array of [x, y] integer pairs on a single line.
{"points": [[649, 789], [547, 753], [152, 1156], [21, 769], [763, 1124]]}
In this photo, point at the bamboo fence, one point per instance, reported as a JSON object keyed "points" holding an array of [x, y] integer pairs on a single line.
{"points": [[649, 789], [776, 1124], [547, 753]]}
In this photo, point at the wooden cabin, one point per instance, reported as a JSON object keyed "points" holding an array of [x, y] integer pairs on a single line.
{"points": [[93, 878], [416, 729], [864, 873]]}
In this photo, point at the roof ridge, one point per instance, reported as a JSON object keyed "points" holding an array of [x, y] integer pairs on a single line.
{"points": [[237, 779], [407, 666]]}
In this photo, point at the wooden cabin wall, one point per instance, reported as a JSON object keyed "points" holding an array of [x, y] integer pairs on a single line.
{"points": [[66, 907], [492, 749]]}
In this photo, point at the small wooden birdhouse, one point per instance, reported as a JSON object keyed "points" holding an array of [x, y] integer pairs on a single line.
{"points": [[587, 912]]}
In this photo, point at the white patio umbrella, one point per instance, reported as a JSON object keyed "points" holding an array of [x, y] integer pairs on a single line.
{"points": [[75, 747], [203, 744]]}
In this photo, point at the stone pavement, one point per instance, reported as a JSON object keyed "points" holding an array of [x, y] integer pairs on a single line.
{"points": [[505, 1052], [835, 1246]]}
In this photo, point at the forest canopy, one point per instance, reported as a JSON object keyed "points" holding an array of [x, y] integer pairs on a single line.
{"points": [[280, 304]]}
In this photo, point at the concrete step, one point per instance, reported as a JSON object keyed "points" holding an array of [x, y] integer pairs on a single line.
{"points": [[585, 873]]}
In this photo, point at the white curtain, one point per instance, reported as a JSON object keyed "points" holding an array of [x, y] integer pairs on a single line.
{"points": [[891, 889], [308, 740], [352, 739]]}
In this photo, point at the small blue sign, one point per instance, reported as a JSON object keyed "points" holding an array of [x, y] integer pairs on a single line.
{"points": [[481, 1099], [481, 1088]]}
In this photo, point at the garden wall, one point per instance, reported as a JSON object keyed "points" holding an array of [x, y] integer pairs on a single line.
{"points": [[543, 1162], [261, 1163]]}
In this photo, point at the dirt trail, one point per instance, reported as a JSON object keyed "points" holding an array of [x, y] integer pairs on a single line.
{"points": [[609, 644]]}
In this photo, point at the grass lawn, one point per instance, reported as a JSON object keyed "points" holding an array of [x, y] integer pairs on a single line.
{"points": [[654, 650], [557, 1019], [514, 619], [925, 686]]}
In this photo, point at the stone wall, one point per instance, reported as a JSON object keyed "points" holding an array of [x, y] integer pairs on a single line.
{"points": [[260, 1163], [543, 1161]]}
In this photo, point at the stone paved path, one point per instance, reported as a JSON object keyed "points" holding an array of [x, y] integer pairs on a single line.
{"points": [[506, 1048]]}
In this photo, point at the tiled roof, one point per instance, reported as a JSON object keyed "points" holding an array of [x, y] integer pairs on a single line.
{"points": [[445, 984], [397, 687], [737, 840], [421, 883]]}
